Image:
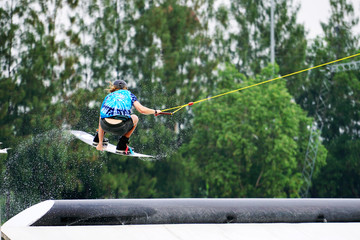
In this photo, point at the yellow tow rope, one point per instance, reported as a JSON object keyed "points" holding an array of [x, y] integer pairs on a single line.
{"points": [[254, 85]]}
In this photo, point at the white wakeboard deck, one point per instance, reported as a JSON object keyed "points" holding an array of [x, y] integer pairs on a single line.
{"points": [[88, 139]]}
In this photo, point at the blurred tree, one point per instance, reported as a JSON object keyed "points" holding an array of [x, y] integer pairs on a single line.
{"points": [[105, 53], [129, 178], [242, 37], [43, 71], [54, 74], [250, 143], [249, 43], [341, 130], [39, 76], [10, 94], [171, 65]]}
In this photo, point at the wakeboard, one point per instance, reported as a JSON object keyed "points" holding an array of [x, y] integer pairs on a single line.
{"points": [[88, 139]]}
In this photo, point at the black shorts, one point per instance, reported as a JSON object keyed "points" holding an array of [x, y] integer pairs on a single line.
{"points": [[119, 129]]}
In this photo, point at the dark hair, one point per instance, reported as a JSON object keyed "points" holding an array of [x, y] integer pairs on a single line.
{"points": [[118, 84]]}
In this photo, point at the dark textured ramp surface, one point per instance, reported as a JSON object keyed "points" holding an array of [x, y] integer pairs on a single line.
{"points": [[175, 211]]}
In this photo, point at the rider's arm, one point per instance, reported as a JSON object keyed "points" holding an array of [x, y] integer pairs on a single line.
{"points": [[144, 110]]}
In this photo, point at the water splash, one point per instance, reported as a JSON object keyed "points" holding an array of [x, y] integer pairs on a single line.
{"points": [[48, 166]]}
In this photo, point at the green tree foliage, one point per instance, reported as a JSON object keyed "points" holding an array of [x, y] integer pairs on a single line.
{"points": [[57, 57], [39, 72], [249, 143], [173, 65], [129, 178], [9, 33], [105, 55], [341, 117], [250, 52]]}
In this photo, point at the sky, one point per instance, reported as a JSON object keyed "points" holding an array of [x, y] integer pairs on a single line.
{"points": [[314, 11], [311, 13]]}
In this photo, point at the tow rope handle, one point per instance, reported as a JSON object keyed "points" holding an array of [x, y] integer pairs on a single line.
{"points": [[163, 113]]}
